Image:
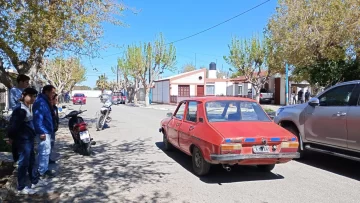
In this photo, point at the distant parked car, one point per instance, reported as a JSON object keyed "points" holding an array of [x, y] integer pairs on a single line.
{"points": [[118, 98], [266, 96], [79, 98]]}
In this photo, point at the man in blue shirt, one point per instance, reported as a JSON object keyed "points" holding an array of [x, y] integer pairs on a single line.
{"points": [[44, 128], [15, 92]]}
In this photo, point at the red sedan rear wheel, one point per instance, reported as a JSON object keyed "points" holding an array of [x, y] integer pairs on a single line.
{"points": [[200, 166]]}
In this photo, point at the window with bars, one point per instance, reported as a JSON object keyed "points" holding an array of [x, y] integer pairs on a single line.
{"points": [[184, 91]]}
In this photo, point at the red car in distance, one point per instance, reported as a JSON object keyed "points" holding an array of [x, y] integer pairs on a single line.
{"points": [[79, 98], [228, 131]]}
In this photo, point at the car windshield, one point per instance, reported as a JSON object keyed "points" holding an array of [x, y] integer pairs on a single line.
{"points": [[79, 95], [234, 111], [118, 94]]}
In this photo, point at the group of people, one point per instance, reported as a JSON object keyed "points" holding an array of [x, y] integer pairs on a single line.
{"points": [[299, 98], [32, 127]]}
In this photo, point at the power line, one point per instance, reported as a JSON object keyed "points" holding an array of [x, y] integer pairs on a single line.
{"points": [[240, 14]]}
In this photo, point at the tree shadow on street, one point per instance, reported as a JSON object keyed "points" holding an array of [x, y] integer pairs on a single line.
{"points": [[219, 175], [333, 164], [114, 170]]}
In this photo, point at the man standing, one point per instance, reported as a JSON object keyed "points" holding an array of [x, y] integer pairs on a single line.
{"points": [[300, 96], [15, 92], [15, 96], [44, 128], [307, 95]]}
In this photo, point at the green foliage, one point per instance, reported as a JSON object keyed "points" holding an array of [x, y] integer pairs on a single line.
{"points": [[321, 37], [328, 73], [102, 83], [188, 67], [63, 73], [29, 29]]}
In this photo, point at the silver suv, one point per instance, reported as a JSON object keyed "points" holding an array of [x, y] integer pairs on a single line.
{"points": [[329, 123]]}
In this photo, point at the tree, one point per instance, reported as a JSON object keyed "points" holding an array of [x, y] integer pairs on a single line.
{"points": [[147, 61], [188, 67], [63, 74], [310, 34], [249, 59], [31, 29], [102, 83]]}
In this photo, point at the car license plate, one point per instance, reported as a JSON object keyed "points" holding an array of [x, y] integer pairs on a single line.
{"points": [[84, 135], [261, 149]]}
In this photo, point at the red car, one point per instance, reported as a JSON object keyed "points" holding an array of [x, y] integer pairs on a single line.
{"points": [[79, 98], [227, 131]]}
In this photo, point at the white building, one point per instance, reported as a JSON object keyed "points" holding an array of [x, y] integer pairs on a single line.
{"points": [[197, 83]]}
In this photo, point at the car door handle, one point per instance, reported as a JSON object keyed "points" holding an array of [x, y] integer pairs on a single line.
{"points": [[191, 128]]}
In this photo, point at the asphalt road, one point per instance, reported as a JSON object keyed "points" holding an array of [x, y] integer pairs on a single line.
{"points": [[129, 165]]}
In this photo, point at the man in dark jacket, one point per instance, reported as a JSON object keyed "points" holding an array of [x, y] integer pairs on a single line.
{"points": [[44, 128]]}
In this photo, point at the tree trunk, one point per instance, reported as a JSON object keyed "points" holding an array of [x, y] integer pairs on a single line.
{"points": [[147, 96], [257, 94]]}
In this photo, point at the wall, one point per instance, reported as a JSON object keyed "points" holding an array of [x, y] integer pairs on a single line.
{"points": [[161, 92], [191, 79], [192, 90], [223, 88], [174, 89], [89, 93]]}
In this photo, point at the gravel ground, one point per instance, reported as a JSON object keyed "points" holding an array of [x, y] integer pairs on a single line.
{"points": [[129, 165]]}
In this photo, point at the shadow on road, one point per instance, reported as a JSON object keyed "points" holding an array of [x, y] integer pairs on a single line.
{"points": [[333, 164], [116, 169], [219, 175]]}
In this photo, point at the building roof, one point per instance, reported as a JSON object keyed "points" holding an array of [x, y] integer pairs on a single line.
{"points": [[182, 75]]}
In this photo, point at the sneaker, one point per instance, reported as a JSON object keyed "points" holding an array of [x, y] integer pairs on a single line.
{"points": [[50, 173], [52, 162], [26, 191], [40, 183]]}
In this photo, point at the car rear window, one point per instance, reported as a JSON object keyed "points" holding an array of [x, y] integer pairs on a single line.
{"points": [[79, 95], [118, 94], [233, 111]]}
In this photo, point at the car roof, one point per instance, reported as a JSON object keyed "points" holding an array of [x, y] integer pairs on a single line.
{"points": [[219, 98]]}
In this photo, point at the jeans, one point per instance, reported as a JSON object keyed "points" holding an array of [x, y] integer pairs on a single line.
{"points": [[26, 154], [43, 150], [52, 144]]}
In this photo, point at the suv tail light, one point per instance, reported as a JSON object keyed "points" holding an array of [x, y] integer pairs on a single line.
{"points": [[261, 95]]}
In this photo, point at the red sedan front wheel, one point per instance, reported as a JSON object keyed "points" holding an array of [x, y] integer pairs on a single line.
{"points": [[200, 166]]}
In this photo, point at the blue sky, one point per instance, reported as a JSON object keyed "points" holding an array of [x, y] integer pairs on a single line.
{"points": [[179, 19]]}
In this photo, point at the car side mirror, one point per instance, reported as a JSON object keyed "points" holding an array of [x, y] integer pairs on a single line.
{"points": [[169, 114], [314, 102]]}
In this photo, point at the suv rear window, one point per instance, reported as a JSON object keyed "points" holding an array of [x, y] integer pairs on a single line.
{"points": [[79, 95]]}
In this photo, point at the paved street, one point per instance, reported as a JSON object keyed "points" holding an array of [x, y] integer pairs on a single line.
{"points": [[129, 165]]}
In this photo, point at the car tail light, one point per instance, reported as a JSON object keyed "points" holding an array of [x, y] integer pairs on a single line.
{"points": [[230, 148], [289, 145], [261, 95]]}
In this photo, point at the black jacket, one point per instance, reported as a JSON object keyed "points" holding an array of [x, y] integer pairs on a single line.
{"points": [[21, 127], [55, 118]]}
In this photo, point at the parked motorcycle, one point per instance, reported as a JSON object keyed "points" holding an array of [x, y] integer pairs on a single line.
{"points": [[103, 116], [80, 133]]}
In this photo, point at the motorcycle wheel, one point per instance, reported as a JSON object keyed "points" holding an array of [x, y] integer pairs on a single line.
{"points": [[87, 149], [100, 123]]}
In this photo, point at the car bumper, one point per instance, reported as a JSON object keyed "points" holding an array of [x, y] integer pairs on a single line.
{"points": [[239, 157]]}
